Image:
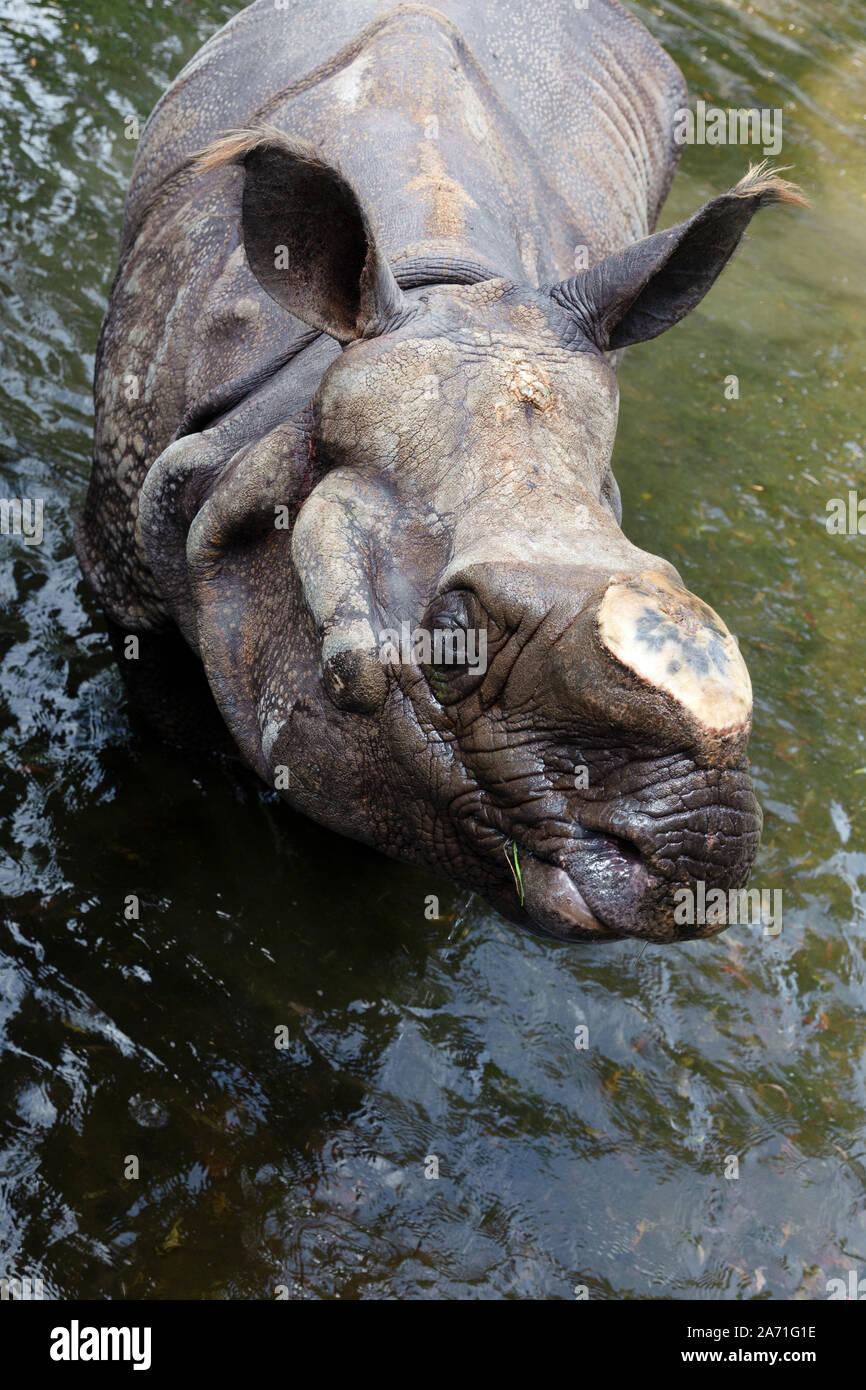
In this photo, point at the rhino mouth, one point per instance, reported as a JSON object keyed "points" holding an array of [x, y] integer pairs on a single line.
{"points": [[558, 895], [602, 890], [593, 885], [555, 905], [647, 853]]}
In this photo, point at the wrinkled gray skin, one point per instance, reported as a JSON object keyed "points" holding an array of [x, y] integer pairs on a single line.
{"points": [[441, 451]]}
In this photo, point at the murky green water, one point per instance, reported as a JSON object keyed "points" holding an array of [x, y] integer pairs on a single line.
{"points": [[306, 1166]]}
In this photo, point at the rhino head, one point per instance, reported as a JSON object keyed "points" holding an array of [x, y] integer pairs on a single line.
{"points": [[450, 650]]}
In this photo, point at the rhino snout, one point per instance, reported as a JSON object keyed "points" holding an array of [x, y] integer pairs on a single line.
{"points": [[645, 685]]}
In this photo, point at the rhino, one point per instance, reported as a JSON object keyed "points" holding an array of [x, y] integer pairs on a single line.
{"points": [[351, 499]]}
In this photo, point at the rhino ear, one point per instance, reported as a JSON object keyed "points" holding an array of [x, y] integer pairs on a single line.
{"points": [[637, 293], [307, 238]]}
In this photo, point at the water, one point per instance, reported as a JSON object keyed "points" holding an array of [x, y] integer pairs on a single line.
{"points": [[408, 1039]]}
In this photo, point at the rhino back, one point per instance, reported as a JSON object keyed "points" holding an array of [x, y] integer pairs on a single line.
{"points": [[590, 90]]}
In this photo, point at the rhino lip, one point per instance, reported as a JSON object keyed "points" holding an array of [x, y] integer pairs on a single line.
{"points": [[596, 889], [556, 905], [558, 897], [555, 893]]}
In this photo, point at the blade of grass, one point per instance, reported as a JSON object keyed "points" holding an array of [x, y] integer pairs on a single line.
{"points": [[519, 874], [515, 868]]}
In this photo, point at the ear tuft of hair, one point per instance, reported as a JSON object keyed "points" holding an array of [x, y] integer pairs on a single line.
{"points": [[235, 146], [763, 182]]}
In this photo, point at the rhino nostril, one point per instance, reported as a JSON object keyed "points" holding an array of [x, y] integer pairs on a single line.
{"points": [[616, 843]]}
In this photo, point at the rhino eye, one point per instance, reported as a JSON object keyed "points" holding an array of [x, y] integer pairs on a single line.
{"points": [[457, 635]]}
